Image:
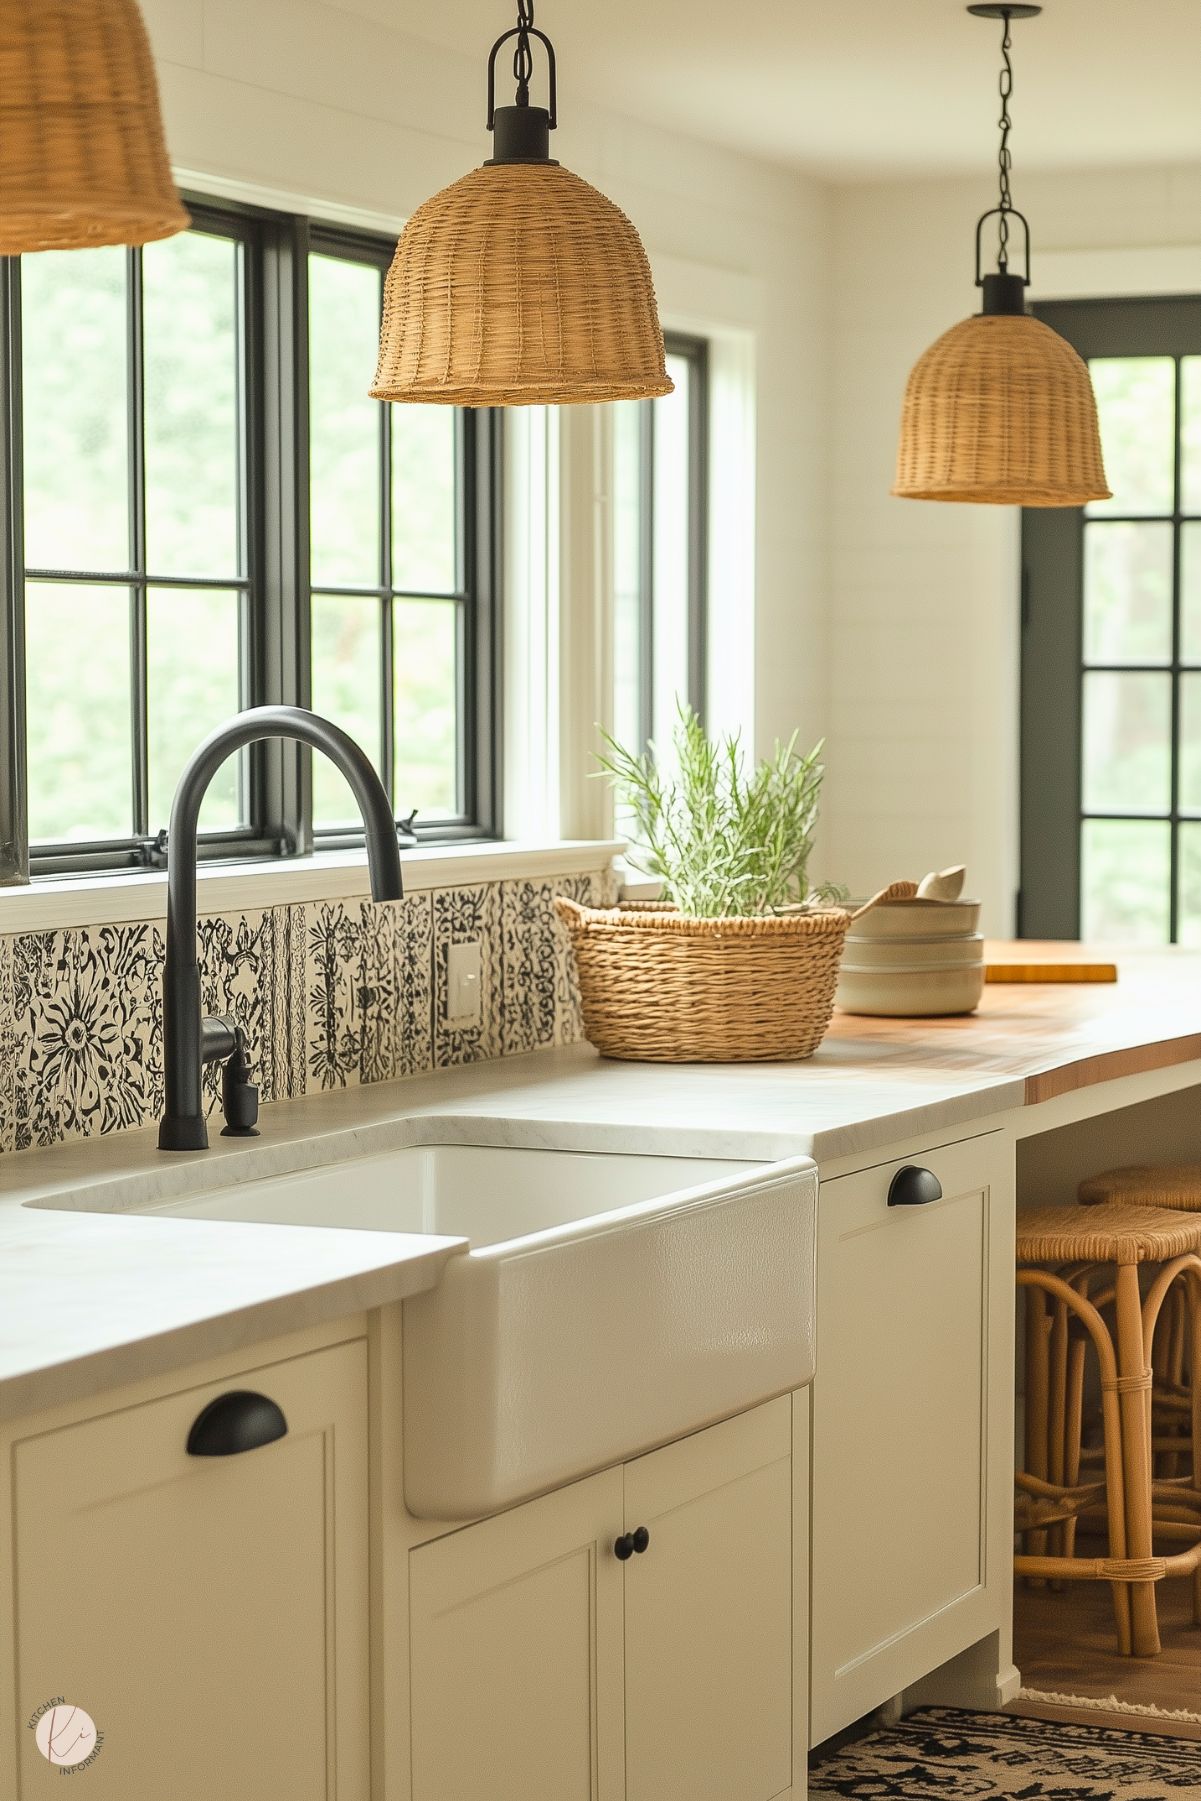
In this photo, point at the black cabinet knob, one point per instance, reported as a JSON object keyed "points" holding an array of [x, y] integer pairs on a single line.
{"points": [[914, 1187], [630, 1543], [642, 1539]]}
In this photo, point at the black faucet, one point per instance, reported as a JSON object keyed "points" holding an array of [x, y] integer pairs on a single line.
{"points": [[189, 1040]]}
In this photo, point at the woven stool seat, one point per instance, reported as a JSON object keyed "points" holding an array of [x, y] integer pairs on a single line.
{"points": [[1116, 1234], [1173, 1185]]}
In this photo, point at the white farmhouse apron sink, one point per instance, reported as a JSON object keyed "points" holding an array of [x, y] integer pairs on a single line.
{"points": [[607, 1303]]}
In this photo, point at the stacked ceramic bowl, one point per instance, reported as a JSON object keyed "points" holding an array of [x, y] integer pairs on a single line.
{"points": [[914, 958]]}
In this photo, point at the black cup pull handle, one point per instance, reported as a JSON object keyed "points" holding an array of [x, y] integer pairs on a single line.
{"points": [[914, 1187], [236, 1422]]}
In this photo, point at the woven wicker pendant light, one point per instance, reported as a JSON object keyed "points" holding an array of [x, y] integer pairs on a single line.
{"points": [[82, 157], [520, 284], [1001, 409]]}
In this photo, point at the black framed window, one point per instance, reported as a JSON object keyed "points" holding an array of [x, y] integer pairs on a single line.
{"points": [[1111, 699], [661, 550], [402, 515], [157, 507]]}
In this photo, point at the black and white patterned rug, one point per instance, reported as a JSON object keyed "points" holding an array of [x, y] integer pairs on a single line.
{"points": [[941, 1754]]}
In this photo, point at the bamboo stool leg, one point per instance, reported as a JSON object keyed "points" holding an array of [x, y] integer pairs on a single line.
{"points": [[1057, 1415], [1133, 1388], [1037, 1376], [1074, 1431]]}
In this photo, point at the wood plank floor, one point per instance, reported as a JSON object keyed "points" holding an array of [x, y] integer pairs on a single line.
{"points": [[1064, 1642]]}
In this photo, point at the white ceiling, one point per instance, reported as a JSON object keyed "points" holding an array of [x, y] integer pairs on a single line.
{"points": [[852, 89]]}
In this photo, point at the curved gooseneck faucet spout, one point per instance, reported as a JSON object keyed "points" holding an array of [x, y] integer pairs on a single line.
{"points": [[189, 1040]]}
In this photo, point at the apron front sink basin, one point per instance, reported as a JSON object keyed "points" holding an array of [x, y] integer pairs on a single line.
{"points": [[606, 1304]]}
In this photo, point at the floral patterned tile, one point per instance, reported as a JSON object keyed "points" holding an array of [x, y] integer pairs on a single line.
{"points": [[367, 990], [246, 969], [87, 1026], [569, 1019], [461, 916], [530, 965], [8, 1047]]}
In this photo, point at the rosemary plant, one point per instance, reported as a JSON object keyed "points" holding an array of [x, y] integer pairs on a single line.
{"points": [[722, 841]]}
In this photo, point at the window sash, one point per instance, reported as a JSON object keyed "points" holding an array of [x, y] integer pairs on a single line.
{"points": [[274, 583]]}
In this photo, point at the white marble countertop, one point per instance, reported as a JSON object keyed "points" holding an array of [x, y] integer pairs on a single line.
{"points": [[89, 1299]]}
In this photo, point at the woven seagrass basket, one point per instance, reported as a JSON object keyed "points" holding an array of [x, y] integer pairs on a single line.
{"points": [[659, 988]]}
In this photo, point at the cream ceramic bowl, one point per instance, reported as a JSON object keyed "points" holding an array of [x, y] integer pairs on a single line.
{"points": [[911, 953], [909, 993], [920, 919]]}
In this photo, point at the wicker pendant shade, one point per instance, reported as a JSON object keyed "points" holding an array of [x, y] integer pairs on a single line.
{"points": [[82, 156], [1000, 410], [520, 285]]}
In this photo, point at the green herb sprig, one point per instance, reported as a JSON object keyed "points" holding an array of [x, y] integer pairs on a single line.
{"points": [[723, 842]]}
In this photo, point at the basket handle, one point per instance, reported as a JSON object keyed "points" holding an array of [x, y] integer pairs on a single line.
{"points": [[896, 891], [570, 911]]}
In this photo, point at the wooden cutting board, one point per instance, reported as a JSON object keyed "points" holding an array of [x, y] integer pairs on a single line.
{"points": [[1031, 961]]}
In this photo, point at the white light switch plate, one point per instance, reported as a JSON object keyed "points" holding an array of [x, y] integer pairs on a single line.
{"points": [[463, 983]]}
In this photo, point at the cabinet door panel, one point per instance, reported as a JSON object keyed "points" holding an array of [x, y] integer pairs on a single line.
{"points": [[516, 1654], [209, 1613], [915, 1351], [708, 1614]]}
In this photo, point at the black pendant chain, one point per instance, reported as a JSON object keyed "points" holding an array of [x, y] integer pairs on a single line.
{"points": [[1005, 158], [523, 56]]}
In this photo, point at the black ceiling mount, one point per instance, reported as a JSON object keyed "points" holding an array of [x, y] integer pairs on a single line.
{"points": [[521, 132], [1005, 12]]}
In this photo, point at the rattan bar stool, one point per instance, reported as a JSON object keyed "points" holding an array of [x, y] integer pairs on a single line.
{"points": [[1072, 1267], [1176, 1186]]}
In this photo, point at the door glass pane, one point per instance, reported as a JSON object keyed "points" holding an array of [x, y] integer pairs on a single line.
{"points": [[1125, 879], [1190, 744], [426, 690], [347, 647], [73, 329], [671, 551], [193, 684], [1136, 404], [1190, 434], [1189, 899], [1190, 593], [1127, 593], [1127, 743], [190, 313], [424, 500], [77, 650], [344, 425]]}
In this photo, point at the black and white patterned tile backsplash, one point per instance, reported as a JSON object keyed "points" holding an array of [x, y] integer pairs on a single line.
{"points": [[330, 993]]}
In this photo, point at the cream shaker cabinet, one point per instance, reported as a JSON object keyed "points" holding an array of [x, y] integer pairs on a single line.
{"points": [[912, 1422], [207, 1609], [629, 1636]]}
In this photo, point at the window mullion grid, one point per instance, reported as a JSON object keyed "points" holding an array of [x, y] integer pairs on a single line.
{"points": [[646, 571], [387, 622], [136, 479], [1177, 654], [14, 799]]}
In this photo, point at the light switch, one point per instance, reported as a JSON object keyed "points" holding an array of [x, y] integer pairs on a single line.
{"points": [[463, 983]]}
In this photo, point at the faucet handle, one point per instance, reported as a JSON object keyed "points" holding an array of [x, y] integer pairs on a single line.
{"points": [[239, 1095]]}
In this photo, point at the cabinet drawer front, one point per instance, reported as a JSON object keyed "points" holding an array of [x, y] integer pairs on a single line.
{"points": [[209, 1613], [914, 1355], [515, 1634]]}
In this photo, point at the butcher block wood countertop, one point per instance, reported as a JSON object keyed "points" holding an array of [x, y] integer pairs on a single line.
{"points": [[1058, 1037]]}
